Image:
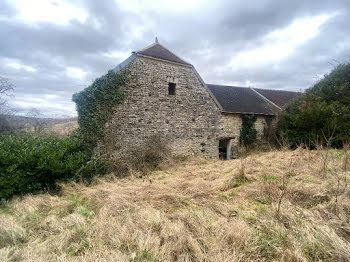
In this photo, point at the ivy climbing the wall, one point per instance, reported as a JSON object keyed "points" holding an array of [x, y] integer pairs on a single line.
{"points": [[269, 132], [95, 103], [248, 132]]}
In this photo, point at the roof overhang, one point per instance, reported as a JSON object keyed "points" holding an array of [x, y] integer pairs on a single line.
{"points": [[247, 113], [163, 60]]}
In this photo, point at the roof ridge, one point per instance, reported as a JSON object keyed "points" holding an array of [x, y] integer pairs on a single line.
{"points": [[277, 90], [265, 98], [173, 54], [149, 46], [165, 50], [229, 86], [249, 102]]}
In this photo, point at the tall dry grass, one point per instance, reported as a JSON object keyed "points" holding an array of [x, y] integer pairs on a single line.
{"points": [[198, 210]]}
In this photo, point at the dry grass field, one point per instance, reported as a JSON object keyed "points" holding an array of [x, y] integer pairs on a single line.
{"points": [[35, 125], [273, 206], [61, 129]]}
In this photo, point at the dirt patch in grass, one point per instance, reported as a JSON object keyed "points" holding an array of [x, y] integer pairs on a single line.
{"points": [[307, 199]]}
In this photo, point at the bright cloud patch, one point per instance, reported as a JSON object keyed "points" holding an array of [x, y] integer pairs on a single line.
{"points": [[19, 66], [56, 11], [281, 43], [46, 105], [161, 5], [75, 72], [116, 54]]}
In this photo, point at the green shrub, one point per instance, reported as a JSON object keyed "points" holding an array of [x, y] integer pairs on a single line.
{"points": [[30, 164], [321, 113]]}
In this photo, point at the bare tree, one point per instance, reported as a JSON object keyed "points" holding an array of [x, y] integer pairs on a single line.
{"points": [[34, 113], [324, 148], [37, 123], [6, 87]]}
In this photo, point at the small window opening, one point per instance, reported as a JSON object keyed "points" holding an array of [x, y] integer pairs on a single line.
{"points": [[171, 88]]}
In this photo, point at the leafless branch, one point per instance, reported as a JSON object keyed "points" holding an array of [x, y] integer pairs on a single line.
{"points": [[5, 86]]}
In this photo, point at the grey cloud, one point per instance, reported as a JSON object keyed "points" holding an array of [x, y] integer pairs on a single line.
{"points": [[208, 37], [6, 9]]}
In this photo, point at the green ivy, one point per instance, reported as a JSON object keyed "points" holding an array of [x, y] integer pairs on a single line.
{"points": [[96, 102], [268, 129], [248, 132]]}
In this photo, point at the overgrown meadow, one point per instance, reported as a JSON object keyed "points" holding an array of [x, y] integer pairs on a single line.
{"points": [[272, 206], [60, 201]]}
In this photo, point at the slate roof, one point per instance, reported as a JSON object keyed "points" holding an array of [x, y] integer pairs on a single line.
{"points": [[278, 97], [232, 99], [158, 51], [235, 99]]}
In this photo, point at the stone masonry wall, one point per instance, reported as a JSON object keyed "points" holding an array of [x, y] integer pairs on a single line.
{"points": [[230, 128], [187, 121], [259, 125]]}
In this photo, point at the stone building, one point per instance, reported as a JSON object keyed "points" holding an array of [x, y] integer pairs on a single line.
{"points": [[168, 99]]}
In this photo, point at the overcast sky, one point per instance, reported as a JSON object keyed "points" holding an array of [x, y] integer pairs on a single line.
{"points": [[51, 49]]}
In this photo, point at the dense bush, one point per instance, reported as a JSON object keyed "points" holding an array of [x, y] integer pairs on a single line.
{"points": [[29, 164], [323, 112], [95, 103], [151, 155], [143, 158]]}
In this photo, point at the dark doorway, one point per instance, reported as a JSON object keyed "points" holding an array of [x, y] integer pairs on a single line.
{"points": [[225, 149]]}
